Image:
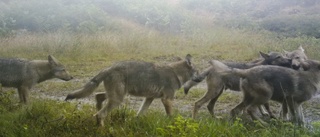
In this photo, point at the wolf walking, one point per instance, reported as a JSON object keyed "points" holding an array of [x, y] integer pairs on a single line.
{"points": [[217, 83], [24, 74], [263, 83], [137, 78]]}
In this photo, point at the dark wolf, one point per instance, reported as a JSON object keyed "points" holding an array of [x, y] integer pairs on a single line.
{"points": [[24, 74], [137, 78], [263, 83], [217, 83]]}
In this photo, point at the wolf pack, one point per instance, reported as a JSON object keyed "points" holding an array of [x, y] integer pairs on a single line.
{"points": [[289, 78]]}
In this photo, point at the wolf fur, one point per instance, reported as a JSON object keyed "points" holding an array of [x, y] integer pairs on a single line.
{"points": [[217, 83], [138, 79], [297, 57], [24, 74], [263, 83]]}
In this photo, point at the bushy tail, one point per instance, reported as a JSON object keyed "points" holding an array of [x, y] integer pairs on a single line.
{"points": [[88, 88], [225, 70], [195, 81]]}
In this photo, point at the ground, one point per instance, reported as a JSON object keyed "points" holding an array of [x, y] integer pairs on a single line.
{"points": [[182, 104]]}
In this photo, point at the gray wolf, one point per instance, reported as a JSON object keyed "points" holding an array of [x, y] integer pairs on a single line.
{"points": [[297, 57], [24, 74], [137, 78], [263, 83], [217, 83]]}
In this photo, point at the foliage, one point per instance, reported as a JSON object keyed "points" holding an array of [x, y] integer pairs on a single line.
{"points": [[180, 127], [294, 26], [53, 118], [49, 16], [287, 18]]}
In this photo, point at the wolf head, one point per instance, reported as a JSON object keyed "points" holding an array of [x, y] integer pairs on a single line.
{"points": [[185, 69], [298, 56], [58, 69], [276, 58]]}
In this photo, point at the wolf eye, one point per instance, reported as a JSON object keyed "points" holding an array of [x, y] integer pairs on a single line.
{"points": [[297, 57]]}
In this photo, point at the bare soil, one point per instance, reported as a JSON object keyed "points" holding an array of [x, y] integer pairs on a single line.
{"points": [[184, 103]]}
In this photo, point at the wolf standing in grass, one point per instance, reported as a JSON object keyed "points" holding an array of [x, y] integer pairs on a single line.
{"points": [[216, 83], [263, 83], [23, 74], [139, 79]]}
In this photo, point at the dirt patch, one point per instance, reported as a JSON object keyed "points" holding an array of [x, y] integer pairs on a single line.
{"points": [[184, 103]]}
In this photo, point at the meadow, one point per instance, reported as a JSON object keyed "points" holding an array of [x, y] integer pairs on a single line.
{"points": [[90, 35], [85, 55]]}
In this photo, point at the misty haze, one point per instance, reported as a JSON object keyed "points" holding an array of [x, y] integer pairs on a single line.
{"points": [[89, 36]]}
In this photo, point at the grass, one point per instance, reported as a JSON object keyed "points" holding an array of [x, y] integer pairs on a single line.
{"points": [[52, 118], [85, 55]]}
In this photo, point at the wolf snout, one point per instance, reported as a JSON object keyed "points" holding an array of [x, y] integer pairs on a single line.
{"points": [[295, 67]]}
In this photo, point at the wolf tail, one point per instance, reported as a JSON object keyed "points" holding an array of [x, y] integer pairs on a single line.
{"points": [[225, 70], [194, 81], [89, 87]]}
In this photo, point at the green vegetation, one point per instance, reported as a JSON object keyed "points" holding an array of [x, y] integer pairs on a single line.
{"points": [[89, 35], [52, 118]]}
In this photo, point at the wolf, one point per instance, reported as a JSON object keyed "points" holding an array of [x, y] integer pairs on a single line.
{"points": [[137, 78], [24, 74], [217, 83], [297, 57], [263, 83]]}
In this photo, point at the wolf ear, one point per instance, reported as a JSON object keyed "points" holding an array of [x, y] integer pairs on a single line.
{"points": [[264, 55], [188, 59], [301, 48], [286, 52], [52, 60]]}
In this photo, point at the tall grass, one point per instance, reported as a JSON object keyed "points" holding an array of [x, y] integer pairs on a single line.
{"points": [[52, 118], [92, 52], [84, 55]]}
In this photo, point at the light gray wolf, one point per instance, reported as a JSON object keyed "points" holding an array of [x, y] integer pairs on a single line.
{"points": [[263, 83], [24, 74], [217, 83], [137, 78], [297, 57]]}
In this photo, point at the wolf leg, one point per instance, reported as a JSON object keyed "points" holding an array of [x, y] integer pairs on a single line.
{"points": [[263, 111], [212, 102], [145, 105], [213, 92], [100, 97], [252, 111], [167, 103], [105, 110], [23, 94], [269, 112], [296, 111], [284, 111], [115, 94], [301, 113]]}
